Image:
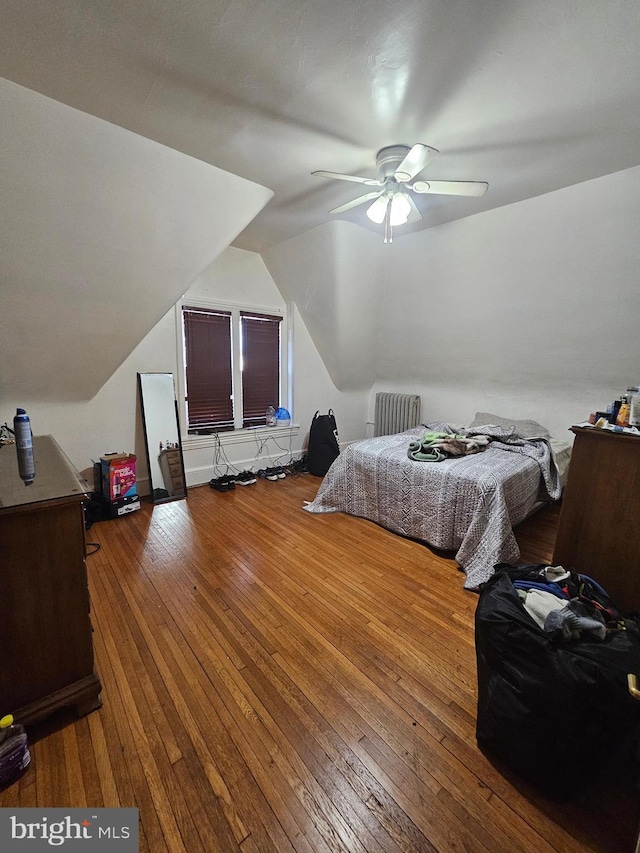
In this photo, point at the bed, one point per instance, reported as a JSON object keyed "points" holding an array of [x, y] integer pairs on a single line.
{"points": [[467, 504]]}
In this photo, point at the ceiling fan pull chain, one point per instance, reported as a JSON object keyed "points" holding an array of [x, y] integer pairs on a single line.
{"points": [[388, 230]]}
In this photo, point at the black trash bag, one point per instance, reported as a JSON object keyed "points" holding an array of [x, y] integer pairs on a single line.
{"points": [[550, 710], [324, 445], [93, 510]]}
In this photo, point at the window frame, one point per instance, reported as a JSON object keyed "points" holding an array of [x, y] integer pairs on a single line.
{"points": [[235, 309]]}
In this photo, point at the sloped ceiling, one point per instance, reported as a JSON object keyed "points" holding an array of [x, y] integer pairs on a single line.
{"points": [[335, 275], [109, 228], [529, 95], [102, 233]]}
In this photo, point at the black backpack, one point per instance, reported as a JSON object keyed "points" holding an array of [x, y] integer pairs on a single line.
{"points": [[323, 443]]}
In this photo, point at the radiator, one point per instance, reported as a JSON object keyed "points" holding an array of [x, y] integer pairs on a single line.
{"points": [[396, 412]]}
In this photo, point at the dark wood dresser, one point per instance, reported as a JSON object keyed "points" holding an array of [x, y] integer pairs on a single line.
{"points": [[45, 629], [599, 529]]}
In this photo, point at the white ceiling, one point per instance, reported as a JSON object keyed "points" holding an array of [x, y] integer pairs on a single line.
{"points": [[529, 96]]}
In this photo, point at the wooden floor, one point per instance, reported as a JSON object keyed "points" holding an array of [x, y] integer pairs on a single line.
{"points": [[275, 681]]}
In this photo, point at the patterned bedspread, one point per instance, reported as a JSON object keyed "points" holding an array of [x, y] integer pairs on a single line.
{"points": [[468, 504]]}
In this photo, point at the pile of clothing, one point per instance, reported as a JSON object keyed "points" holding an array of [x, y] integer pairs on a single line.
{"points": [[437, 446], [567, 606]]}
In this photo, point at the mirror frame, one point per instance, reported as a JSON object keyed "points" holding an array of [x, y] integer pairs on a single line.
{"points": [[146, 439]]}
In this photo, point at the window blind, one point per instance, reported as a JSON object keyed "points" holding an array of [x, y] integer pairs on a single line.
{"points": [[208, 370], [260, 345]]}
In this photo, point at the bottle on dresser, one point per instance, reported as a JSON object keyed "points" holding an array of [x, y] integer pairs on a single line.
{"points": [[623, 411], [634, 405]]}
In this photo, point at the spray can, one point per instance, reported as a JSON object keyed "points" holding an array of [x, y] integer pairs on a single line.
{"points": [[14, 751], [24, 447]]}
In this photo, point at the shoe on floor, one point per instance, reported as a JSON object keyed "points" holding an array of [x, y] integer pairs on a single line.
{"points": [[271, 474], [245, 478], [280, 472], [230, 480], [218, 484]]}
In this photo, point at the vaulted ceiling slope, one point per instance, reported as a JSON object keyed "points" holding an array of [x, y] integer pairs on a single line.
{"points": [[103, 231], [335, 275], [529, 95]]}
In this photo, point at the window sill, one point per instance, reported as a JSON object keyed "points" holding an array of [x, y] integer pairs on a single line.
{"points": [[238, 436]]}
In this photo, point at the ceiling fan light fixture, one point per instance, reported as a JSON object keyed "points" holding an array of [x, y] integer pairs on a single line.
{"points": [[394, 204], [400, 209], [377, 211]]}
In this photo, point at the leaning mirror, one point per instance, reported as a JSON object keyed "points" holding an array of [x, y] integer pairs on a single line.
{"points": [[162, 437]]}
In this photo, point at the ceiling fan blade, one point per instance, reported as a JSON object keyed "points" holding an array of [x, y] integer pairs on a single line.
{"points": [[468, 188], [356, 201], [415, 215], [371, 182], [415, 161]]}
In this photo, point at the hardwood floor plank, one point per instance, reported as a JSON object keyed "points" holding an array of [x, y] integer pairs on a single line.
{"points": [[373, 848], [44, 755], [206, 694], [191, 741], [163, 752], [245, 707], [429, 762], [123, 745], [27, 791], [71, 758], [110, 790], [335, 778], [421, 804]]}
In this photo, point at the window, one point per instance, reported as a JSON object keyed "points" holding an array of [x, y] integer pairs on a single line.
{"points": [[207, 348], [260, 366], [232, 368]]}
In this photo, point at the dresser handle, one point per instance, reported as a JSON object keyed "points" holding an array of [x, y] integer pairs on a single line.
{"points": [[632, 681]]}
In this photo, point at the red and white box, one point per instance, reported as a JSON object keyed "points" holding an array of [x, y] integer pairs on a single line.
{"points": [[118, 476]]}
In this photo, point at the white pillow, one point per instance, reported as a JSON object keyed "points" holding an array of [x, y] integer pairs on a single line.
{"points": [[524, 428]]}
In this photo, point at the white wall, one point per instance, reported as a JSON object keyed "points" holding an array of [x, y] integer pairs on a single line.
{"points": [[111, 420], [314, 390], [334, 274], [102, 231], [532, 309]]}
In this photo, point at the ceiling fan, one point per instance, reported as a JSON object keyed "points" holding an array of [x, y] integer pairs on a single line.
{"points": [[392, 202]]}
